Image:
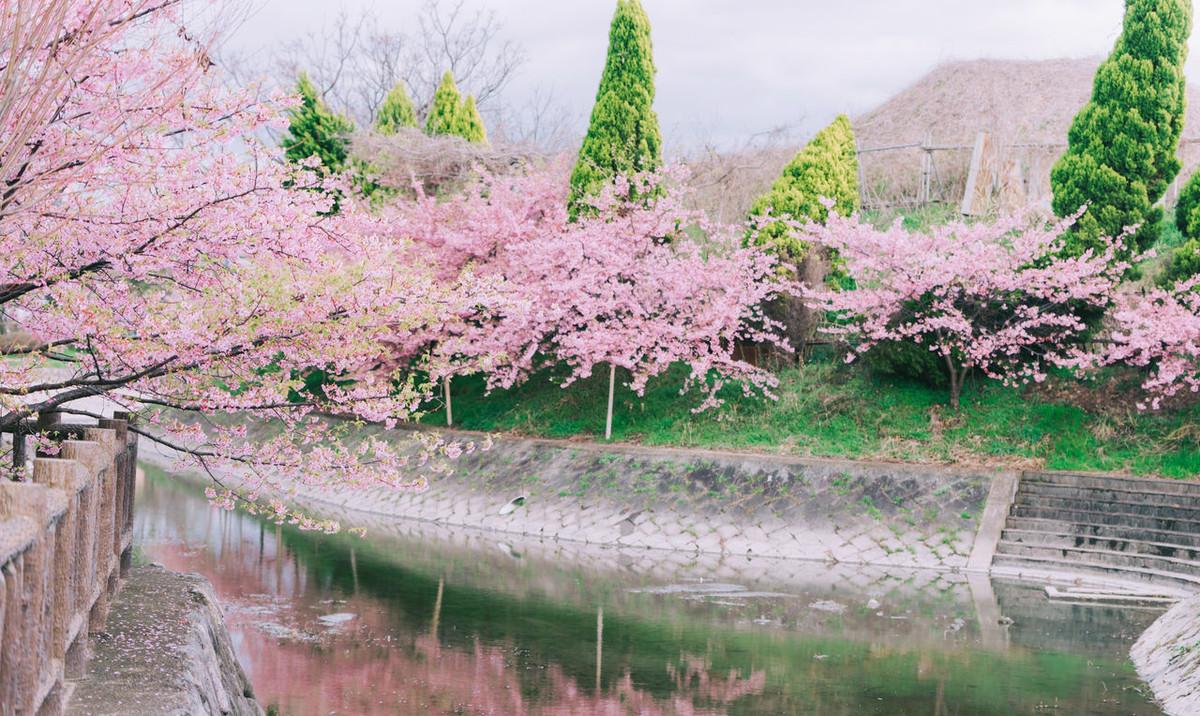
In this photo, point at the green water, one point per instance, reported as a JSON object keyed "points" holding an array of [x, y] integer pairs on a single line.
{"points": [[415, 619]]}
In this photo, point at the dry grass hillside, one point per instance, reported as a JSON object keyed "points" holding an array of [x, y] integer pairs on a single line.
{"points": [[1019, 102]]}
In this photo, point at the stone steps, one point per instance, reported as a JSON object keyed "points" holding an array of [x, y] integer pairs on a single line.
{"points": [[1063, 541], [1081, 504], [1029, 524], [1110, 494], [1113, 519], [1105, 526], [1136, 484], [1039, 567], [1103, 557]]}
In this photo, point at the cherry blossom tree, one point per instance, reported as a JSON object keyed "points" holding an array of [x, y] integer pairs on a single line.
{"points": [[640, 287], [1159, 331], [994, 297], [155, 255]]}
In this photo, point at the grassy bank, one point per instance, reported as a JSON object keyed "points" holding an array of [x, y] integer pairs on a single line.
{"points": [[826, 409]]}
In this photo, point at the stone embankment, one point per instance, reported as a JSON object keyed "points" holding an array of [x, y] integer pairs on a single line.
{"points": [[165, 652], [706, 502], [1167, 657]]}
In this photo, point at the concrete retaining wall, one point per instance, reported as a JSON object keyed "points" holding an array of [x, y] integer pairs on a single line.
{"points": [[166, 653], [707, 502], [1167, 657]]}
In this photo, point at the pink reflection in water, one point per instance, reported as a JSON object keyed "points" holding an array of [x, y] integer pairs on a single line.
{"points": [[375, 663]]}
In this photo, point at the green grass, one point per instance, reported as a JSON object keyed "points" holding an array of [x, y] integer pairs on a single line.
{"points": [[914, 218], [826, 409]]}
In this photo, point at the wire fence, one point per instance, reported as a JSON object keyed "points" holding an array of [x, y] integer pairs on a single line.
{"points": [[979, 177]]}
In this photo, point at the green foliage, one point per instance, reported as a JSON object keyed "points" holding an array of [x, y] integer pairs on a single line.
{"points": [[826, 168], [908, 360], [623, 137], [1184, 263], [396, 111], [1122, 144], [449, 114], [445, 109], [315, 130], [1184, 260], [470, 126], [1187, 208]]}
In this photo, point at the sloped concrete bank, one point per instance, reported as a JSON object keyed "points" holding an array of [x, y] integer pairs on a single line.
{"points": [[1167, 657], [708, 502], [165, 651]]}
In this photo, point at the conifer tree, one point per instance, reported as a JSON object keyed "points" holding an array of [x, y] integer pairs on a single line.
{"points": [[623, 137], [825, 168], [396, 111], [470, 125], [1122, 144], [446, 108], [315, 130]]}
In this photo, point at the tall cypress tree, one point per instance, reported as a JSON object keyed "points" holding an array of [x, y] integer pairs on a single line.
{"points": [[623, 137], [470, 124], [446, 108], [396, 111], [315, 130], [1122, 144]]}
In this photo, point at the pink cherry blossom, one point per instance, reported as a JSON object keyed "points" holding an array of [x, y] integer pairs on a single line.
{"points": [[642, 287], [156, 253], [993, 297], [1159, 331]]}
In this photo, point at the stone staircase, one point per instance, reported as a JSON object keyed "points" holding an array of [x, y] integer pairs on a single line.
{"points": [[1104, 528]]}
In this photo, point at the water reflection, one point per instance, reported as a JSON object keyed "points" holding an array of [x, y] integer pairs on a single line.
{"points": [[419, 620]]}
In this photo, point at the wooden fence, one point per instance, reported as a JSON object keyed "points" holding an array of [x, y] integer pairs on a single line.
{"points": [[65, 537]]}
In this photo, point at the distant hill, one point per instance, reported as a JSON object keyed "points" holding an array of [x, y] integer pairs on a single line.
{"points": [[1018, 101]]}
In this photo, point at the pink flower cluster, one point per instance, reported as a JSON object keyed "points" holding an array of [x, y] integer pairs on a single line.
{"points": [[155, 252], [996, 297], [639, 286], [1159, 331]]}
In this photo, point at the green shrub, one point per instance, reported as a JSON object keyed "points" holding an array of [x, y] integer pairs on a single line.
{"points": [[623, 137], [1183, 263], [1122, 144], [396, 111], [471, 124], [315, 130], [445, 109], [826, 168], [908, 360], [451, 114]]}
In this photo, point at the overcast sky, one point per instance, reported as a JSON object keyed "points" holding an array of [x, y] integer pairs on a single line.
{"points": [[730, 68]]}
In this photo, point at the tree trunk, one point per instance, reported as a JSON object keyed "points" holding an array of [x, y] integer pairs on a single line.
{"points": [[799, 321], [955, 383]]}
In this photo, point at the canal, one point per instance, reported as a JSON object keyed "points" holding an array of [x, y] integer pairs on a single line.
{"points": [[424, 620]]}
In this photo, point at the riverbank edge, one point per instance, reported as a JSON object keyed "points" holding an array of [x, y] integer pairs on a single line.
{"points": [[1167, 657], [702, 501], [165, 650]]}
